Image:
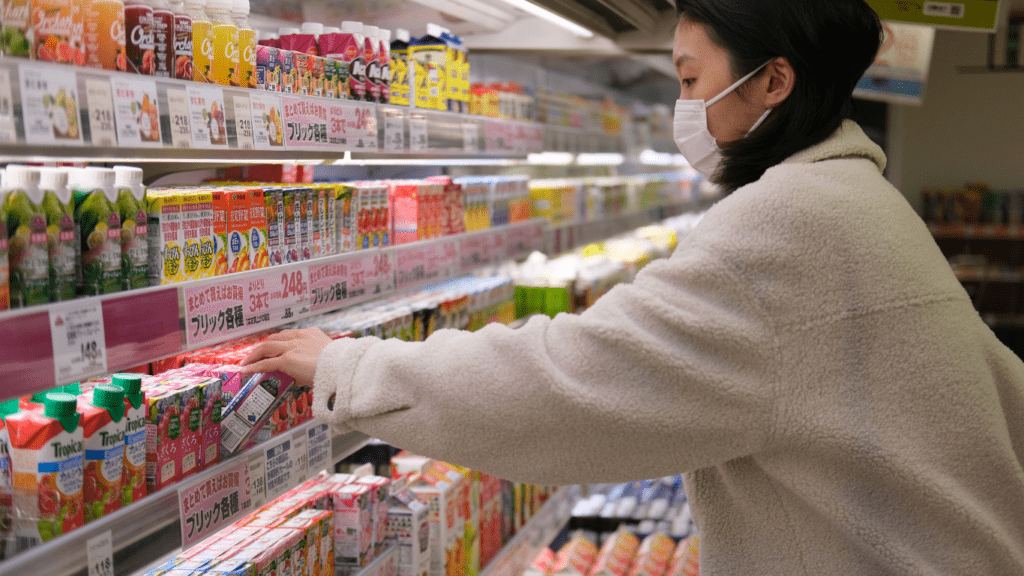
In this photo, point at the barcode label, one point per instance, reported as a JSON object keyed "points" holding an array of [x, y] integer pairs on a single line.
{"points": [[229, 439], [944, 9]]}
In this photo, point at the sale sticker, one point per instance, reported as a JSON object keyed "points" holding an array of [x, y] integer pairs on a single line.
{"points": [[49, 106], [99, 101], [319, 441], [177, 109], [267, 121], [79, 345], [206, 116], [350, 279], [8, 132], [524, 238], [212, 502], [305, 123], [243, 121], [135, 111], [427, 263]]}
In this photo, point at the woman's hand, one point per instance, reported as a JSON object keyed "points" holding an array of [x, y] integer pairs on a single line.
{"points": [[293, 352]]}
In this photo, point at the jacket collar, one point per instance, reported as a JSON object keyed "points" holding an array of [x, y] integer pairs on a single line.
{"points": [[846, 142]]}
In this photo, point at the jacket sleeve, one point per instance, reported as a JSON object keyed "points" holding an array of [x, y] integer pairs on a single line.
{"points": [[669, 374]]}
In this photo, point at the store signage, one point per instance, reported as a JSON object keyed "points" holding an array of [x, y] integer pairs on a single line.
{"points": [[470, 138], [481, 248], [512, 138], [901, 68], [79, 346], [100, 104], [350, 280], [212, 502], [243, 121], [976, 15], [426, 263], [178, 112], [49, 106], [305, 123], [207, 117], [267, 121], [524, 238], [353, 127], [8, 132], [135, 111]]}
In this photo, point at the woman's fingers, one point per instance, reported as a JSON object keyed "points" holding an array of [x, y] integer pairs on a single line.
{"points": [[267, 349], [275, 364]]}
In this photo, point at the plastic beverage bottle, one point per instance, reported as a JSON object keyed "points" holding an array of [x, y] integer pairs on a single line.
{"points": [[163, 38], [133, 476], [28, 253], [105, 35], [371, 47], [245, 74], [103, 435], [181, 40], [399, 92], [428, 54], [53, 30], [59, 209], [384, 60], [98, 227], [16, 35], [352, 55], [202, 41], [131, 208], [225, 41], [138, 25]]}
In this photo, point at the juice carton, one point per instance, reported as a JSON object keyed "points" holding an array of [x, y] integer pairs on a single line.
{"points": [[5, 290], [408, 526], [289, 72], [380, 500], [347, 48], [330, 78], [329, 226], [268, 68], [305, 223], [344, 211], [47, 453], [443, 473], [166, 236], [59, 209], [220, 203], [409, 217], [103, 431], [302, 560], [653, 557], [238, 232], [98, 224], [199, 248], [445, 528], [211, 397], [131, 206], [163, 438], [104, 35], [28, 250], [252, 407], [616, 555], [316, 222], [304, 65], [133, 477], [291, 223], [6, 479], [576, 557], [365, 196], [258, 244], [383, 216], [274, 207], [353, 539]]}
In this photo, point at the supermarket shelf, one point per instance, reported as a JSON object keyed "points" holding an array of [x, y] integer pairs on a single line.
{"points": [[982, 274], [535, 535], [66, 555], [217, 124], [567, 236], [384, 565], [979, 231]]}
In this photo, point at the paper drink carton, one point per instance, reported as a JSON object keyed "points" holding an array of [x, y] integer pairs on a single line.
{"points": [[653, 557], [353, 537], [103, 431], [163, 438], [576, 558], [191, 446], [238, 232], [258, 243], [221, 205], [252, 407], [345, 206], [409, 527], [211, 399], [166, 236], [292, 219], [445, 528], [133, 476], [380, 502], [616, 555], [274, 209]]}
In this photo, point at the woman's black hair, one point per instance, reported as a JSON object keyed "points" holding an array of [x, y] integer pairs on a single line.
{"points": [[829, 44]]}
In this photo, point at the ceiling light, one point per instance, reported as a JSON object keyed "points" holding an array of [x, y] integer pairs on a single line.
{"points": [[600, 159], [550, 16], [651, 158], [550, 158]]}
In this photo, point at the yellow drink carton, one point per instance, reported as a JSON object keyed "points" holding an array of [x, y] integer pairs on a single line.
{"points": [[165, 236]]}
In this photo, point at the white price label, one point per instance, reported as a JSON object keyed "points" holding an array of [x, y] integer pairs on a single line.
{"points": [[206, 116], [258, 479], [49, 106], [320, 447], [79, 345], [470, 138], [8, 132], [418, 135], [300, 455], [136, 112], [98, 98], [281, 468], [394, 133], [99, 554], [181, 131], [243, 121], [267, 121]]}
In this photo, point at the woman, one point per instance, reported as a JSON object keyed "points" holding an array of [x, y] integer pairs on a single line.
{"points": [[806, 356]]}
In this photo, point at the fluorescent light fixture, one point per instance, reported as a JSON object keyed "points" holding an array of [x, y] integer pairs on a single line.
{"points": [[550, 158], [651, 158], [600, 159], [550, 16], [465, 12], [348, 161]]}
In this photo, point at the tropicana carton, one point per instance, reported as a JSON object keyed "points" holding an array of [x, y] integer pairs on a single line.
{"points": [[103, 431], [133, 476]]}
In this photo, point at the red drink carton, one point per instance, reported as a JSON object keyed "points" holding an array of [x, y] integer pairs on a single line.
{"points": [[163, 437], [103, 431]]}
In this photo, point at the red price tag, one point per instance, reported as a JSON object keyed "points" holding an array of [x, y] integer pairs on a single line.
{"points": [[215, 312]]}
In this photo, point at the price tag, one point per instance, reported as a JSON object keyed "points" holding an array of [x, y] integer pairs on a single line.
{"points": [[470, 138], [136, 112], [210, 503], [8, 132], [216, 312], [181, 131], [481, 249], [267, 121], [99, 554], [49, 106], [300, 455], [433, 262], [318, 438], [243, 121], [522, 239], [79, 345], [394, 133], [99, 100], [206, 116], [289, 294], [281, 469], [418, 135], [349, 280], [305, 123], [257, 464]]}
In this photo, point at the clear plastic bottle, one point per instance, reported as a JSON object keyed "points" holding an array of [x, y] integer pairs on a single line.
{"points": [[202, 40], [163, 38], [245, 73], [181, 40], [225, 41]]}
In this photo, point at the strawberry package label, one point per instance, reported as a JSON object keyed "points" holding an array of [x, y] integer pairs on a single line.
{"points": [[380, 496], [163, 437], [252, 407]]}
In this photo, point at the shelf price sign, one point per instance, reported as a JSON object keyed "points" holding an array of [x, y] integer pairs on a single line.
{"points": [[305, 123], [217, 311], [353, 126], [99, 554], [209, 504], [524, 238], [481, 249], [243, 121], [267, 121], [349, 280], [320, 446], [8, 133], [49, 106], [207, 117], [79, 344], [282, 469], [136, 112], [99, 102], [433, 262], [177, 110]]}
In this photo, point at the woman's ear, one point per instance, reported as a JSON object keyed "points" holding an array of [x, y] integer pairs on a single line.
{"points": [[781, 80]]}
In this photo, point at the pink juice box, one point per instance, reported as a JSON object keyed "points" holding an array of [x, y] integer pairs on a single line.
{"points": [[380, 501], [353, 536], [163, 437], [212, 402]]}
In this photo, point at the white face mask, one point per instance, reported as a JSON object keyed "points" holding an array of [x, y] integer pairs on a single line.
{"points": [[690, 129]]}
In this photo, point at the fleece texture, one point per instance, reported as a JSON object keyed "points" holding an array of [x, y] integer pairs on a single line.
{"points": [[806, 357]]}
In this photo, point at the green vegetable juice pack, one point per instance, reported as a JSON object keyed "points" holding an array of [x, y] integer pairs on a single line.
{"points": [[133, 476], [28, 242], [131, 207], [47, 454], [59, 209], [98, 227], [103, 426]]}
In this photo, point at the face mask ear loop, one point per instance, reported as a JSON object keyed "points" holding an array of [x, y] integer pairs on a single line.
{"points": [[736, 85]]}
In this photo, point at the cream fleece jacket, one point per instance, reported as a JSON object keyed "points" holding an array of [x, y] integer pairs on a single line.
{"points": [[806, 357]]}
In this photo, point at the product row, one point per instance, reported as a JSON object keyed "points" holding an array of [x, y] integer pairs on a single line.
{"points": [[444, 520], [621, 554], [972, 204]]}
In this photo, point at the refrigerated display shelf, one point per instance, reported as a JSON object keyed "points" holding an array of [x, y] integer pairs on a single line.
{"points": [[84, 114], [977, 231], [535, 535], [567, 236], [158, 512]]}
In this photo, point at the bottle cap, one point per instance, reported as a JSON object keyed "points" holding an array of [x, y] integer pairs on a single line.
{"points": [[351, 27], [127, 176], [434, 30], [130, 383], [370, 31], [287, 30], [18, 176], [314, 28], [402, 35], [8, 408], [52, 178], [60, 405], [332, 30], [92, 178], [240, 7], [108, 396], [219, 4], [384, 35]]}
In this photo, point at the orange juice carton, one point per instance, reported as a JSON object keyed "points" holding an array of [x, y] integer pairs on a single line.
{"points": [[258, 244], [274, 209], [685, 560], [291, 222], [353, 537], [304, 73], [103, 432], [576, 558], [379, 500], [653, 557], [345, 209], [408, 527], [252, 407], [104, 35], [616, 555], [238, 232], [47, 454], [317, 76], [163, 438], [166, 236], [445, 527], [211, 401], [221, 205], [541, 565]]}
